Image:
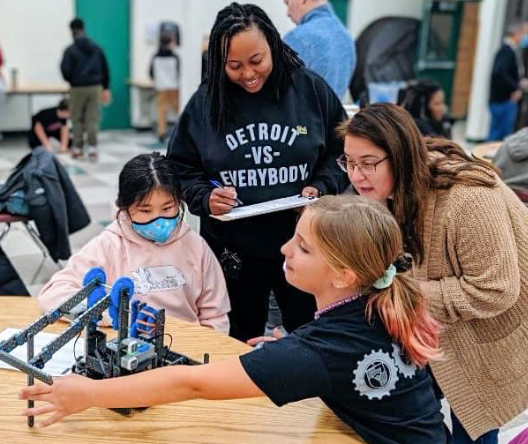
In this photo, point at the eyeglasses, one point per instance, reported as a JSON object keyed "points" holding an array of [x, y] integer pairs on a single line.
{"points": [[367, 167]]}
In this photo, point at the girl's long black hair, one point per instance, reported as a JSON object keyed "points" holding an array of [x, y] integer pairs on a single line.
{"points": [[417, 96], [145, 173], [230, 21]]}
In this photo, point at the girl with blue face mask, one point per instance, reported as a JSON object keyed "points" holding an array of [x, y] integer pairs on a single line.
{"points": [[156, 212], [172, 267]]}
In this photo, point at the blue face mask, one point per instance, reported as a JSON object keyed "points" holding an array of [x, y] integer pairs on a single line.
{"points": [[157, 230], [523, 42]]}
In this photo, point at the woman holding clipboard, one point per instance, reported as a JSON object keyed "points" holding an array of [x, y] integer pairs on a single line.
{"points": [[263, 126]]}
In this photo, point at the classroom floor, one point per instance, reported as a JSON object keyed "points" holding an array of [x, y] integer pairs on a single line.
{"points": [[97, 185]]}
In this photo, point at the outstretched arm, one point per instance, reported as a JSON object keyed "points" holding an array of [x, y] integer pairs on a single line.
{"points": [[43, 138], [73, 394]]}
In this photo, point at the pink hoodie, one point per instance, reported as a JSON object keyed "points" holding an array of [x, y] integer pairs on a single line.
{"points": [[182, 275]]}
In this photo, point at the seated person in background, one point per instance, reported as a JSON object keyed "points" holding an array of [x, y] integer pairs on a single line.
{"points": [[364, 354], [172, 267], [512, 160], [425, 101], [50, 123]]}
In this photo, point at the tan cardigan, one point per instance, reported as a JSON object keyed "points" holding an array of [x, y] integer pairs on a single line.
{"points": [[476, 262]]}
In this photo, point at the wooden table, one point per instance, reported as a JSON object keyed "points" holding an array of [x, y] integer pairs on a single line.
{"points": [[39, 88], [20, 103], [141, 84], [197, 422], [486, 151], [142, 103]]}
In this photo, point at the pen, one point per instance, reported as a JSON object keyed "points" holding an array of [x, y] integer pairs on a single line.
{"points": [[217, 184]]}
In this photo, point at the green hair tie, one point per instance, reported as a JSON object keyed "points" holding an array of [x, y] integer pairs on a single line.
{"points": [[386, 280]]}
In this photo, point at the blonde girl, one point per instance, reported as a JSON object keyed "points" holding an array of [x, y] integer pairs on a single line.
{"points": [[363, 354]]}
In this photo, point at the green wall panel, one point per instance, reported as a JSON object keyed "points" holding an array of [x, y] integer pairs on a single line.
{"points": [[107, 23]]}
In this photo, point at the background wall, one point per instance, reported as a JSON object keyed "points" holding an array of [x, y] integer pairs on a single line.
{"points": [[108, 24], [362, 13], [195, 18], [145, 16], [491, 18], [33, 35]]}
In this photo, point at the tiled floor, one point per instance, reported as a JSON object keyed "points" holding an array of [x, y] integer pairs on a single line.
{"points": [[97, 185]]}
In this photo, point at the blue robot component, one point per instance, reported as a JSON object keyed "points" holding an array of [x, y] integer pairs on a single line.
{"points": [[143, 349], [95, 273], [143, 320]]}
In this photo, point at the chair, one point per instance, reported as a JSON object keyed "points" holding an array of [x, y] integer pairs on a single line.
{"points": [[8, 219]]}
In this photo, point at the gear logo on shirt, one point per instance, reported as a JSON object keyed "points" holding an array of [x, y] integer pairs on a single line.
{"points": [[406, 368], [376, 375], [153, 279]]}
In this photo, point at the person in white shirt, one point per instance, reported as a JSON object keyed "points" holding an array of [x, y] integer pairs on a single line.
{"points": [[165, 72]]}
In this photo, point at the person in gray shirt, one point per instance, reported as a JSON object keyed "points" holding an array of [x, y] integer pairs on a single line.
{"points": [[512, 160]]}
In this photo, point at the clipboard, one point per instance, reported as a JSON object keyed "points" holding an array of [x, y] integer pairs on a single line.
{"points": [[270, 206]]}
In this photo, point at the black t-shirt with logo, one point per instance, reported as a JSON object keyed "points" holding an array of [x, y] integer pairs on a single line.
{"points": [[358, 371], [51, 122], [270, 148]]}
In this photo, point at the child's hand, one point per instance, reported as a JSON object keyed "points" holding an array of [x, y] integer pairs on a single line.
{"points": [[260, 339], [68, 395], [106, 320], [104, 323], [277, 334]]}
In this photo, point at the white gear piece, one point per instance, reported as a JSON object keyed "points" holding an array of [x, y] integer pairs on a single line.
{"points": [[376, 375], [406, 369]]}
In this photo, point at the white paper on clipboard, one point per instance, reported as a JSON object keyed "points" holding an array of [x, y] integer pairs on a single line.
{"points": [[270, 206]]}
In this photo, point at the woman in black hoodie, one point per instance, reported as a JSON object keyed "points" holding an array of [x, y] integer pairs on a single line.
{"points": [[264, 127]]}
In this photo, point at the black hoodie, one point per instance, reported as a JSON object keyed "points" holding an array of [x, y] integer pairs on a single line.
{"points": [[504, 76], [84, 64], [270, 149]]}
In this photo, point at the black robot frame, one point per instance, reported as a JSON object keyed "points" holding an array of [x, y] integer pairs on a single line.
{"points": [[102, 358]]}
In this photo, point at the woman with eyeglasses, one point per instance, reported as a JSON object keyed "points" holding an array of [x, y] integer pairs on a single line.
{"points": [[262, 126], [468, 235]]}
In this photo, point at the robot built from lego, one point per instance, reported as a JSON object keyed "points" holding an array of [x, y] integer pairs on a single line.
{"points": [[139, 344]]}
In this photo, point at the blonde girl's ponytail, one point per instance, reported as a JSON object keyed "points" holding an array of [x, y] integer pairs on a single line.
{"points": [[358, 234], [402, 309]]}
